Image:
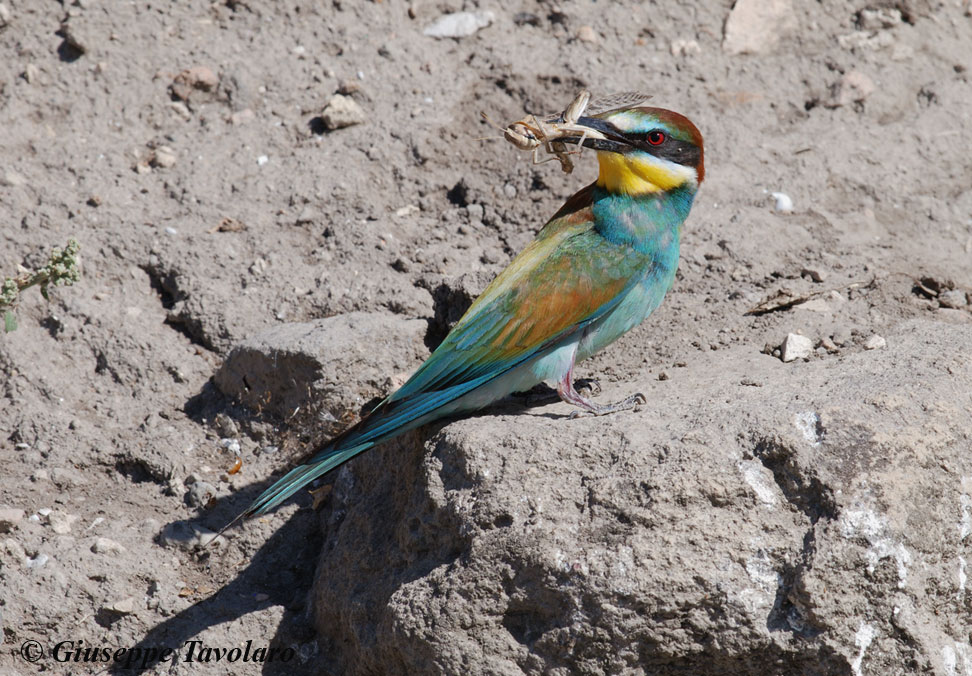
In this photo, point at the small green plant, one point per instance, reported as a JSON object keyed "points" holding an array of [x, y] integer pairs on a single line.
{"points": [[61, 270]]}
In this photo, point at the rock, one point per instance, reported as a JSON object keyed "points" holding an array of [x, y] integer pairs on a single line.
{"points": [[339, 363], [587, 34], [878, 18], [200, 494], [60, 522], [184, 535], [866, 40], [853, 87], [76, 40], [31, 73], [875, 342], [517, 543], [12, 179], [125, 606], [241, 117], [9, 518], [459, 24], [107, 546], [163, 157], [953, 298], [63, 476], [784, 203], [14, 550], [342, 111], [795, 347], [685, 48], [815, 274], [5, 15], [195, 79], [758, 26]]}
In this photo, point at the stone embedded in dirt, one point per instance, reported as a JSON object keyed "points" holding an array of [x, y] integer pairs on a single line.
{"points": [[63, 476], [682, 47], [878, 18], [815, 274], [107, 546], [340, 363], [854, 86], [200, 494], [195, 79], [60, 522], [11, 549], [795, 347], [953, 298], [587, 34], [32, 73], [342, 111], [758, 26], [9, 518], [187, 536], [875, 342], [125, 606], [459, 24], [5, 15], [163, 157]]}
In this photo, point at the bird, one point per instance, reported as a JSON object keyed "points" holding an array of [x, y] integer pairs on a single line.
{"points": [[601, 264]]}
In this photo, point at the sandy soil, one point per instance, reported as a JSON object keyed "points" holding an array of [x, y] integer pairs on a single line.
{"points": [[214, 204]]}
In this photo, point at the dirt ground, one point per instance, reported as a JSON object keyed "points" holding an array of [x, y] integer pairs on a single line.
{"points": [[185, 146]]}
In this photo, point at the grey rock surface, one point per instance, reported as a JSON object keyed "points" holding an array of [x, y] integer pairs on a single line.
{"points": [[343, 361], [724, 528]]}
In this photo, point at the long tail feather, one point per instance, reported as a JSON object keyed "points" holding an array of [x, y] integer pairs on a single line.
{"points": [[300, 476]]}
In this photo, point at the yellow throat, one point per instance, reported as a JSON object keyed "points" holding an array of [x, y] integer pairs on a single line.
{"points": [[640, 173]]}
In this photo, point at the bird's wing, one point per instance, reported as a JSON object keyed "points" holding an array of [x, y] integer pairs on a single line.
{"points": [[565, 279]]}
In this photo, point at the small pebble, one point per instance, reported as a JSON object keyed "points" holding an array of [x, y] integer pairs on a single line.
{"points": [[340, 112], [815, 274], [107, 546], [31, 73], [4, 15], [60, 522], [164, 157], [123, 607], [587, 34], [231, 445], [262, 159], [875, 342], [458, 24], [15, 550], [795, 347], [783, 202], [38, 561]]}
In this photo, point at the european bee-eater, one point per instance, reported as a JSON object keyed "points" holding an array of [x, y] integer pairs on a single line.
{"points": [[601, 265]]}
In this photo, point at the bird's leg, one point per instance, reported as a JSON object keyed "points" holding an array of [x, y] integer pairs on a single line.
{"points": [[565, 388]]}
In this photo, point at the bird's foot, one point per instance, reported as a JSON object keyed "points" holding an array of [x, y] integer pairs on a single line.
{"points": [[624, 405]]}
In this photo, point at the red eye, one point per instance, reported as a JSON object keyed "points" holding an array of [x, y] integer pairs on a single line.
{"points": [[656, 138]]}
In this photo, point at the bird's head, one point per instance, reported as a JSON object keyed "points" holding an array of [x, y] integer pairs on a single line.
{"points": [[644, 150]]}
